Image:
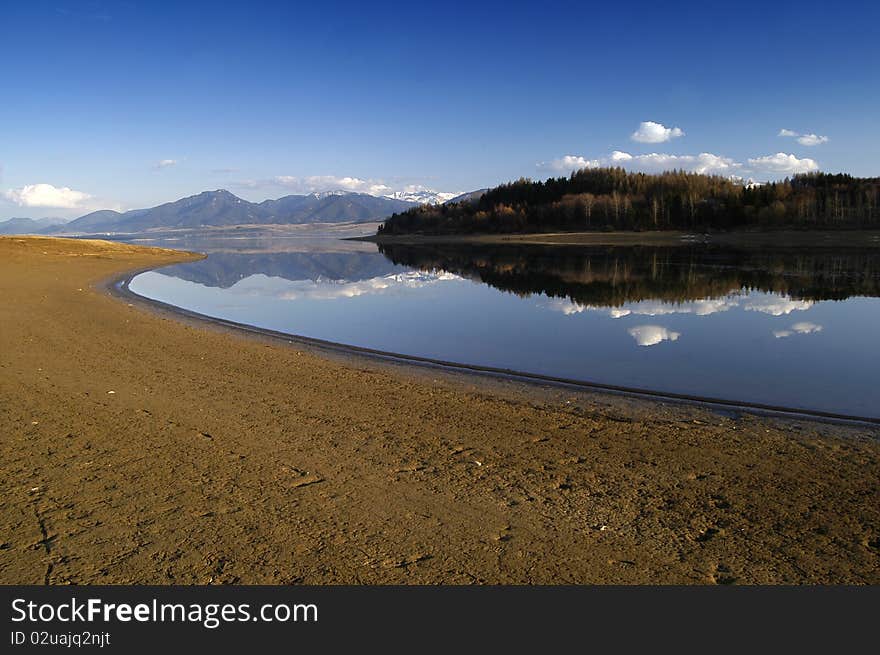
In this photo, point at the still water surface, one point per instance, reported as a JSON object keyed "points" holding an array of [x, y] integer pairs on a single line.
{"points": [[795, 328]]}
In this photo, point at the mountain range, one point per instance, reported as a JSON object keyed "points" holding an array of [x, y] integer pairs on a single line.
{"points": [[222, 209], [28, 225]]}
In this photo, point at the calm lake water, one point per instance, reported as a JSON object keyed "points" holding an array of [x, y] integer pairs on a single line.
{"points": [[796, 328]]}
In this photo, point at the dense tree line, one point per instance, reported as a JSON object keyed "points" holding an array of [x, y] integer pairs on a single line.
{"points": [[614, 199]]}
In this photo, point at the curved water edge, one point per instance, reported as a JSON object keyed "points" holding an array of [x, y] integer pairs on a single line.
{"points": [[119, 286]]}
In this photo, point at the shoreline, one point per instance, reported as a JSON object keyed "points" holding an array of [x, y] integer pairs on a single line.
{"points": [[119, 285], [145, 447], [778, 238]]}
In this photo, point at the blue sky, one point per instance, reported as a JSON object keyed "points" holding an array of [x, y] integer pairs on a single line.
{"points": [[130, 104]]}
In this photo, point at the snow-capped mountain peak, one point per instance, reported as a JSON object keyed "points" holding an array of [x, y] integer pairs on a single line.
{"points": [[416, 194], [422, 196]]}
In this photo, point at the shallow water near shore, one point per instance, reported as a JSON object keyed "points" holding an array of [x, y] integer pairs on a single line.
{"points": [[795, 328]]}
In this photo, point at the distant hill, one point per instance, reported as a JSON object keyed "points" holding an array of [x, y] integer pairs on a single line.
{"points": [[28, 225], [221, 208], [333, 208], [94, 221]]}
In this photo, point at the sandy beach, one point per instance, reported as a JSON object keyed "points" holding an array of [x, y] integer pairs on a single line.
{"points": [[140, 447]]}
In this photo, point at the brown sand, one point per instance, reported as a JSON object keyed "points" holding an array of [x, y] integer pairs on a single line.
{"points": [[219, 458]]}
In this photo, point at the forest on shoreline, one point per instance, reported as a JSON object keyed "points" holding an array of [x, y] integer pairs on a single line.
{"points": [[612, 199]]}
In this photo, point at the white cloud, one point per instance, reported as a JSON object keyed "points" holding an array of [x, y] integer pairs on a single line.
{"points": [[651, 335], [804, 139], [757, 171], [654, 162], [783, 164], [651, 132], [166, 163], [705, 162], [46, 195], [811, 139], [319, 183], [568, 163]]}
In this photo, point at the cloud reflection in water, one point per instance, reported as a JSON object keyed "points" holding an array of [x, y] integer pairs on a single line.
{"points": [[804, 327], [651, 335]]}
